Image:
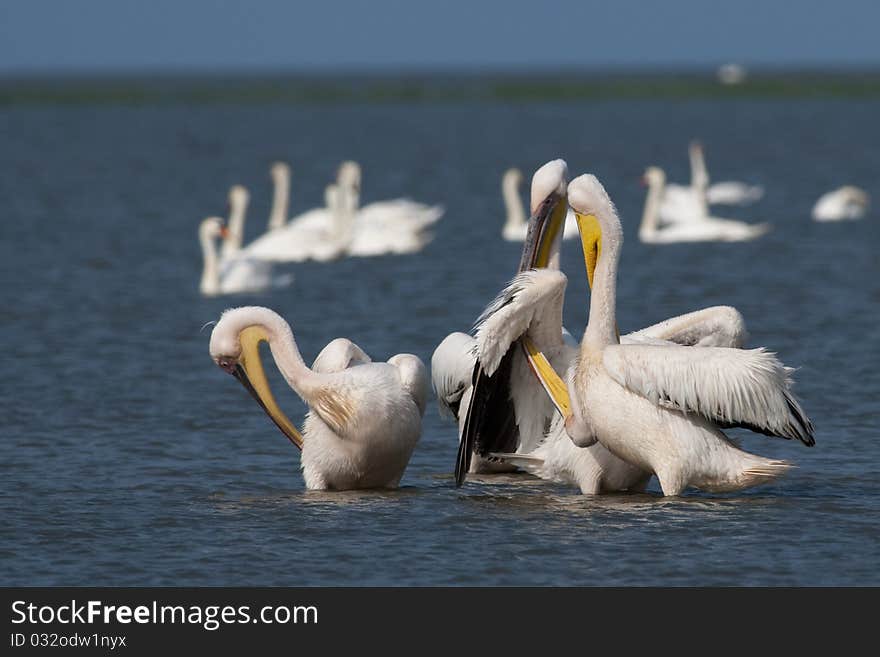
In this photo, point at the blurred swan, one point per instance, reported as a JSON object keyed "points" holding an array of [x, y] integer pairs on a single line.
{"points": [[393, 226], [364, 418], [847, 202], [728, 192], [234, 274], [662, 408], [696, 229], [321, 234], [515, 225], [316, 218]]}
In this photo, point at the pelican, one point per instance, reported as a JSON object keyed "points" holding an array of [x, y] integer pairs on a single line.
{"points": [[364, 418], [235, 274], [515, 226], [394, 226], [510, 415], [847, 202], [662, 408], [704, 229]]}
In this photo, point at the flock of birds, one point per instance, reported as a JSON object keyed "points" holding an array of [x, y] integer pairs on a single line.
{"points": [[342, 227], [603, 414]]}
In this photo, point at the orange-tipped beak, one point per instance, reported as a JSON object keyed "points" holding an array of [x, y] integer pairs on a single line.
{"points": [[224, 232]]}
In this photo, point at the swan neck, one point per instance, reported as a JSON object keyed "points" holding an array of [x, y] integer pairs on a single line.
{"points": [[516, 214], [649, 226], [210, 283], [280, 200], [232, 244]]}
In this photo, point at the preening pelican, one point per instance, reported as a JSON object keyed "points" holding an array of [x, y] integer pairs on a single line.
{"points": [[515, 225], [394, 226], [235, 274], [510, 415], [704, 229], [662, 408], [847, 202], [364, 418]]}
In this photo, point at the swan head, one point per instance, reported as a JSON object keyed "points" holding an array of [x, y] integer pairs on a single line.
{"points": [[349, 174], [238, 196], [212, 228], [279, 170], [549, 206], [596, 218], [654, 177], [512, 177], [235, 348]]}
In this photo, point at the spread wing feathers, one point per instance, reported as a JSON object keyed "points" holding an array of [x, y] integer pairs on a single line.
{"points": [[490, 423], [532, 303], [718, 326], [339, 355], [730, 387], [452, 366]]}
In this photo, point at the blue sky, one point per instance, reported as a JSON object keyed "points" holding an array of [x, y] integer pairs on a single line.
{"points": [[57, 36]]}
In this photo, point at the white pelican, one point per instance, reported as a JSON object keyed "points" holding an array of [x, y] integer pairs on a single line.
{"points": [[847, 202], [394, 226], [662, 408], [515, 225], [364, 418], [236, 274], [728, 192], [511, 413], [704, 229]]}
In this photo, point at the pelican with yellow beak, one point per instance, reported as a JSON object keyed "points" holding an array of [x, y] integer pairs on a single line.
{"points": [[364, 418], [519, 346], [662, 408]]}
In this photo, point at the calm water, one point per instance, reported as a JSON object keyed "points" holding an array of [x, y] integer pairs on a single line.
{"points": [[128, 458]]}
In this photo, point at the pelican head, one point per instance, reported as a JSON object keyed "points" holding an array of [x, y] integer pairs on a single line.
{"points": [[235, 348], [589, 200], [548, 206]]}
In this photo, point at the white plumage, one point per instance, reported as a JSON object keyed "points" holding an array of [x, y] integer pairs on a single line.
{"points": [[661, 408], [847, 202], [364, 418]]}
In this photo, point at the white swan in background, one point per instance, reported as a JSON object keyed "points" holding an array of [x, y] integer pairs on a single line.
{"points": [[238, 200], [704, 229], [320, 218], [662, 408], [728, 192], [364, 418], [511, 412], [235, 274], [312, 237], [515, 225], [394, 226], [847, 202]]}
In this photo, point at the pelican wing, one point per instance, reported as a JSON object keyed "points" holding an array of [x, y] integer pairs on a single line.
{"points": [[338, 355], [730, 387], [532, 303], [452, 366], [718, 326]]}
